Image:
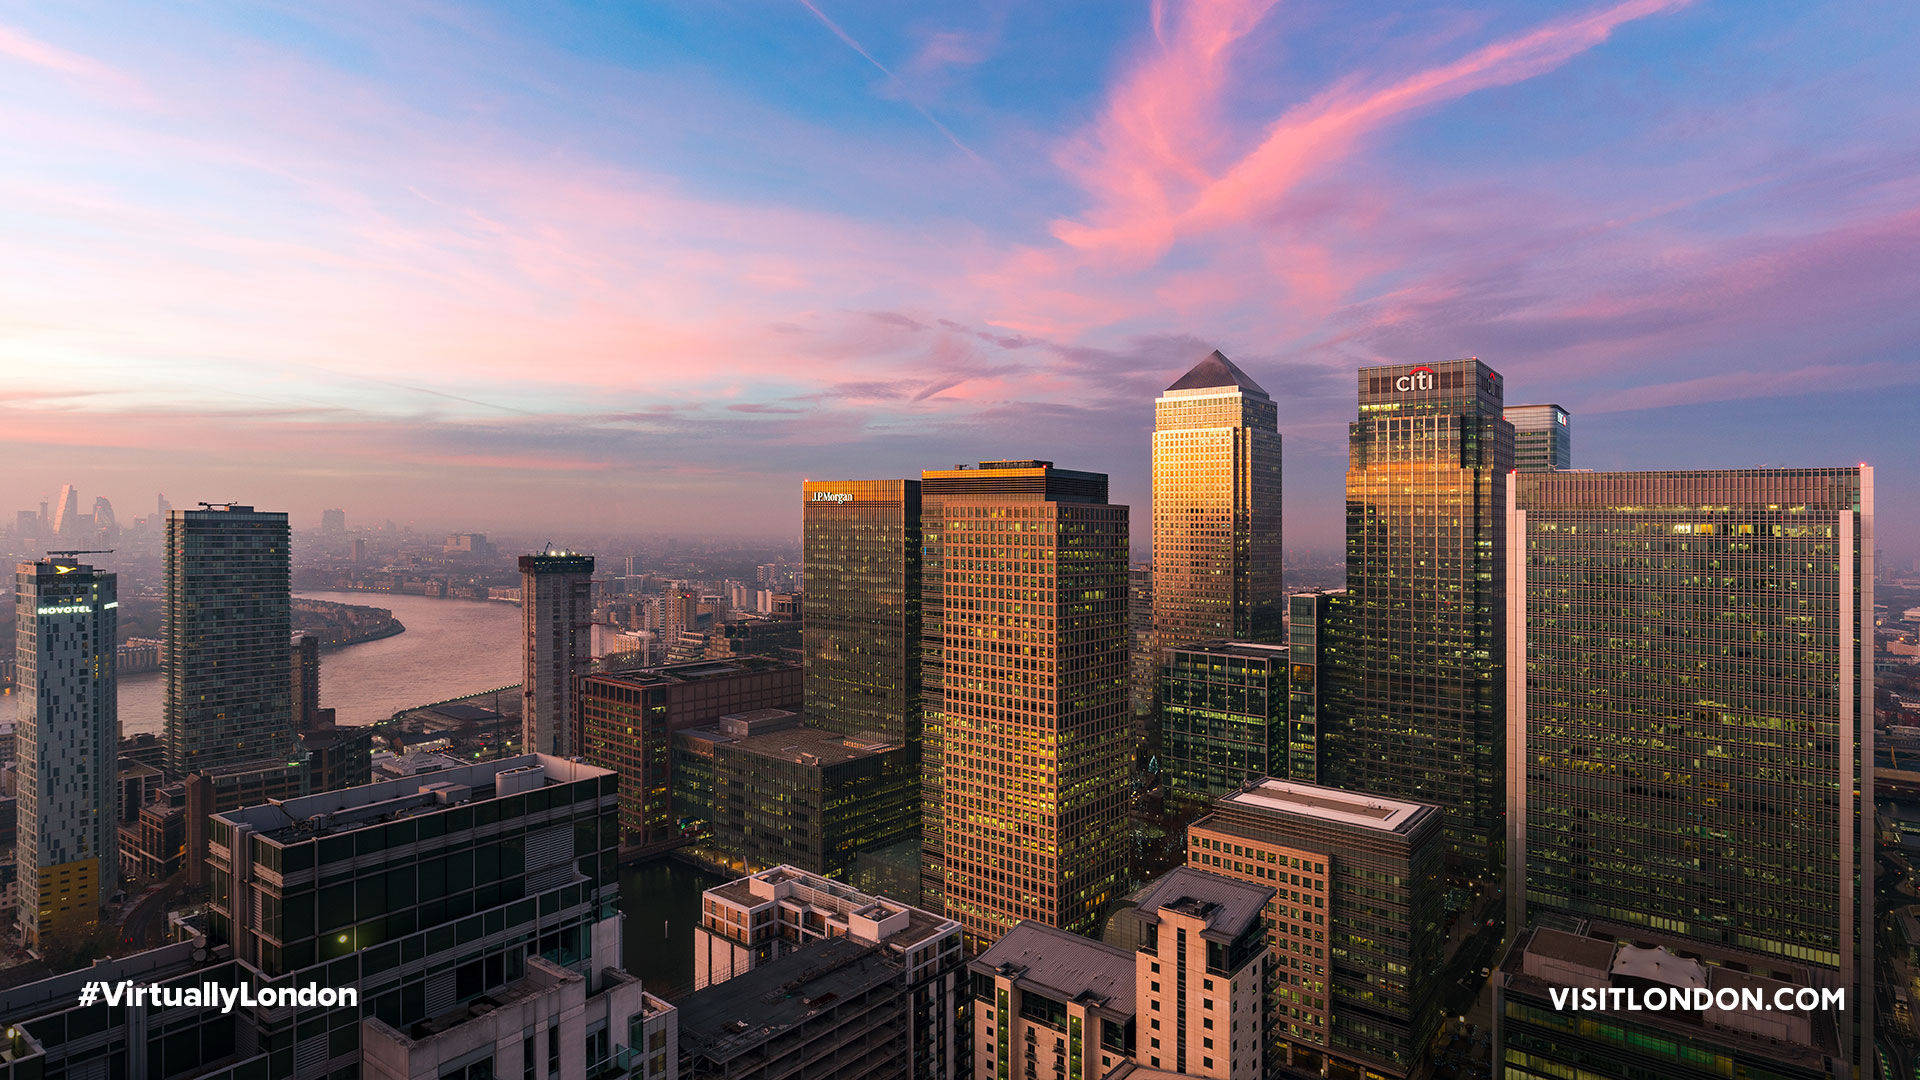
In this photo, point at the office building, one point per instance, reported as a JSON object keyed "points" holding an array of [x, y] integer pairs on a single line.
{"points": [[1420, 711], [338, 757], [775, 791], [1356, 923], [1216, 509], [227, 621], [1223, 718], [1188, 998], [838, 1009], [861, 608], [66, 514], [471, 886], [67, 735], [1143, 659], [627, 721], [1542, 438], [1691, 707], [1538, 1037], [474, 917], [556, 617], [755, 921], [1317, 643], [1032, 759], [304, 670], [333, 522]]}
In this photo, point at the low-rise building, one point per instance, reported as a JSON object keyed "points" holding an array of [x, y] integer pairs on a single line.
{"points": [[1189, 999], [1569, 1000], [750, 923]]}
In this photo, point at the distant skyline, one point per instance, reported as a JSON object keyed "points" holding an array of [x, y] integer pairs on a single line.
{"points": [[642, 269]]}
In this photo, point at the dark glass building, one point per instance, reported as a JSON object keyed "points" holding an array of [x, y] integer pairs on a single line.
{"points": [[227, 622], [1030, 598], [1542, 438], [1216, 509], [786, 793], [860, 606], [1223, 718], [1420, 711], [1356, 926], [1317, 625], [1693, 743], [627, 722]]}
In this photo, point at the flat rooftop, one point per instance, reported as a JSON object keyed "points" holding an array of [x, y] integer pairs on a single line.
{"points": [[833, 900], [799, 745], [695, 671], [1329, 804], [1062, 966], [1611, 955], [1227, 906], [1250, 650], [291, 821], [732, 1018]]}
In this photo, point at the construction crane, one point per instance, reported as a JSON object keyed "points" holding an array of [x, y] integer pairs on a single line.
{"points": [[82, 551]]}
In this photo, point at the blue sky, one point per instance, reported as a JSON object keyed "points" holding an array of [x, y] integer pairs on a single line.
{"points": [[607, 266]]}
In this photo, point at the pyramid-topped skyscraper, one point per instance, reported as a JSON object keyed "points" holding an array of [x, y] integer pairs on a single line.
{"points": [[1216, 508]]}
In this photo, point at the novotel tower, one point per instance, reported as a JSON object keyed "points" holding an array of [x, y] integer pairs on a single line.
{"points": [[68, 728], [1418, 710]]}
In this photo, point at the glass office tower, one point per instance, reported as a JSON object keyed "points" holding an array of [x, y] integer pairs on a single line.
{"points": [[1223, 718], [861, 607], [1420, 711], [1317, 636], [1216, 509], [227, 622], [1031, 774], [1542, 438], [1691, 705]]}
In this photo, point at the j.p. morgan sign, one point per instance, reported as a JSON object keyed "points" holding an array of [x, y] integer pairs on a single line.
{"points": [[833, 496]]}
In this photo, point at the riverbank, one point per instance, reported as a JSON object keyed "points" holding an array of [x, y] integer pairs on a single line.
{"points": [[449, 650], [336, 625]]}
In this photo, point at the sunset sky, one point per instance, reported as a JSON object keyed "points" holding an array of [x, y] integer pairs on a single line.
{"points": [[645, 265]]}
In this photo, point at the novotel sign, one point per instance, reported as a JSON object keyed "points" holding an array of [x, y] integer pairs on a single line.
{"points": [[833, 496]]}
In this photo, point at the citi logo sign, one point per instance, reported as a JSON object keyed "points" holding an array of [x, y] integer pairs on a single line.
{"points": [[1420, 378], [832, 496]]}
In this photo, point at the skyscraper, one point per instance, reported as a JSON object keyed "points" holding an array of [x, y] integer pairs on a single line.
{"points": [[1420, 710], [1691, 704], [66, 515], [1031, 773], [1216, 509], [227, 622], [333, 521], [556, 619], [861, 607], [304, 669], [1542, 438], [67, 733]]}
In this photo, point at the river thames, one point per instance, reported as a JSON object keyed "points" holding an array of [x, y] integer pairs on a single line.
{"points": [[451, 648]]}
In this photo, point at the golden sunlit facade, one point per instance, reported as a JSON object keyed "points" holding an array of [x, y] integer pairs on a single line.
{"points": [[1033, 769], [1216, 509]]}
